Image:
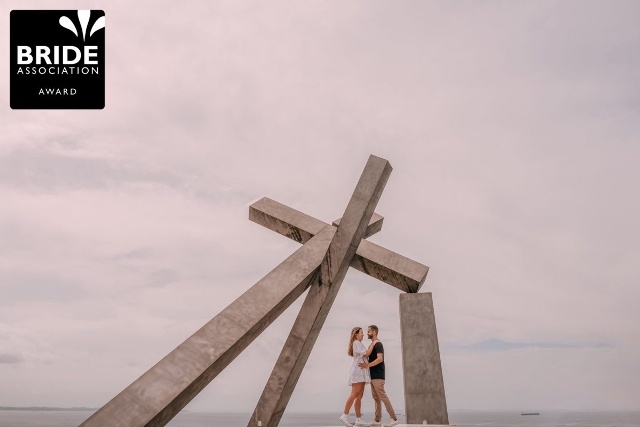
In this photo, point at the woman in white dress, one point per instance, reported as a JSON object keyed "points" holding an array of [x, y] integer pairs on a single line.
{"points": [[358, 376]]}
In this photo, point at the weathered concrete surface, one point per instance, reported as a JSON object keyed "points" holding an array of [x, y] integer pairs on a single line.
{"points": [[376, 261], [375, 225], [322, 293], [424, 394], [285, 220], [294, 224], [160, 393], [389, 267]]}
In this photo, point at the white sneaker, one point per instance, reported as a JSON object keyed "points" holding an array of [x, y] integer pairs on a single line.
{"points": [[345, 420], [392, 423], [375, 424], [361, 423]]}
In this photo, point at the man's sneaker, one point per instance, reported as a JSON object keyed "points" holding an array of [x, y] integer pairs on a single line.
{"points": [[361, 423], [375, 424], [344, 418], [392, 423]]}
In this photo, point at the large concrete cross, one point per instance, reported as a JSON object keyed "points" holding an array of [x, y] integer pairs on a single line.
{"points": [[320, 265]]}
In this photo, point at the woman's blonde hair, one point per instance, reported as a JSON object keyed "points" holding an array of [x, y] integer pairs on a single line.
{"points": [[355, 331]]}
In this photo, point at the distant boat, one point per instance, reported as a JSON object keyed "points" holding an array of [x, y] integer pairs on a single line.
{"points": [[530, 413]]}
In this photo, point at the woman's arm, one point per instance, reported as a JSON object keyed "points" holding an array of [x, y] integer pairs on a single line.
{"points": [[370, 349]]}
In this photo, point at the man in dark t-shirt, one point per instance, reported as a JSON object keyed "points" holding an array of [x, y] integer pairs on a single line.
{"points": [[376, 368], [377, 371]]}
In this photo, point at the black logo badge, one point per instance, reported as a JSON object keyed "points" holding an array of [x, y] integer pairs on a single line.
{"points": [[57, 59]]}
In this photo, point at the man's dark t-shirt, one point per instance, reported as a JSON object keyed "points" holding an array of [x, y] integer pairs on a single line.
{"points": [[377, 372]]}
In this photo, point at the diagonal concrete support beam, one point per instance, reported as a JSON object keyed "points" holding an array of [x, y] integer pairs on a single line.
{"points": [[322, 293], [160, 393], [374, 260]]}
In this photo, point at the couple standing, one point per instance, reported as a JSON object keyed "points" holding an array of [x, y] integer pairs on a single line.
{"points": [[367, 367]]}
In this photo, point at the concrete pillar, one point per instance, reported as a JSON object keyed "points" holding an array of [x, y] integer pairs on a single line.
{"points": [[424, 394]]}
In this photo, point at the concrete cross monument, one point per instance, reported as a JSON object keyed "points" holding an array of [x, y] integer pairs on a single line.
{"points": [[319, 266]]}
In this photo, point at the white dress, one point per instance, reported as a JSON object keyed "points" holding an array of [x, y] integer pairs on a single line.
{"points": [[358, 374]]}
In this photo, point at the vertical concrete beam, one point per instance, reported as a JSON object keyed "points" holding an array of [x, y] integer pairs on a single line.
{"points": [[322, 293], [161, 392], [424, 395]]}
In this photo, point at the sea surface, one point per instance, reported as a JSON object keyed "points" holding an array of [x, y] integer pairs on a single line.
{"points": [[462, 419]]}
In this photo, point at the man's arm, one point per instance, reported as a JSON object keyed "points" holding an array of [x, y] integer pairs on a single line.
{"points": [[378, 359], [374, 363]]}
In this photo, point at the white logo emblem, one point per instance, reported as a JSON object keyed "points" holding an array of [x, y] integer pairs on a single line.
{"points": [[83, 16]]}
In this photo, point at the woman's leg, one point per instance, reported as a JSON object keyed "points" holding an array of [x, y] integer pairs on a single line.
{"points": [[358, 400], [351, 398]]}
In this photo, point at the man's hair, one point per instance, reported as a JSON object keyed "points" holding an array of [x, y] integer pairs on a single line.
{"points": [[373, 328]]}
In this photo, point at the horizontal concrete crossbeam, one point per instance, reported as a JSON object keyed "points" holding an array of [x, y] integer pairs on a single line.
{"points": [[380, 263], [294, 224]]}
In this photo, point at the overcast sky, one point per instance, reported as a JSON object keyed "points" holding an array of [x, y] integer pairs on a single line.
{"points": [[513, 129]]}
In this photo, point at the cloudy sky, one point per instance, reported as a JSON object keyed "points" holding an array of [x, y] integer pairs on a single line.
{"points": [[513, 129]]}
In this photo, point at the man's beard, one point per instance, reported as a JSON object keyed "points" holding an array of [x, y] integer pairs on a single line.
{"points": [[369, 336]]}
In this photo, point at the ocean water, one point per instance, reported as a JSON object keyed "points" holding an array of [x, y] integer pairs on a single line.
{"points": [[461, 419]]}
